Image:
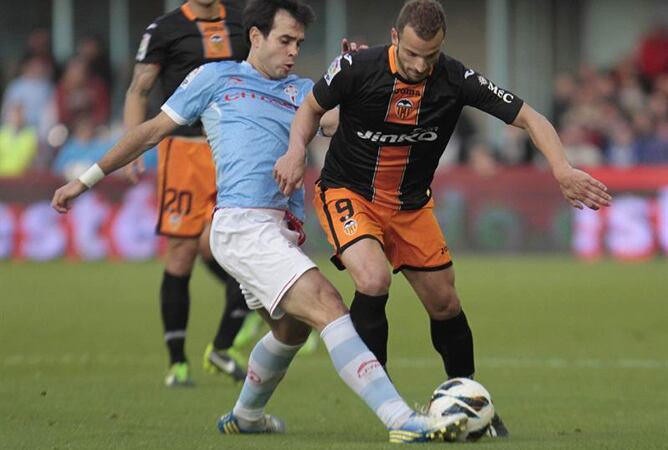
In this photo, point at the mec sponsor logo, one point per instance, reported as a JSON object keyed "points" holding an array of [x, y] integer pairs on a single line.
{"points": [[417, 135], [501, 93]]}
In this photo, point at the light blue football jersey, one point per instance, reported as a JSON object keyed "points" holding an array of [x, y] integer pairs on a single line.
{"points": [[247, 120]]}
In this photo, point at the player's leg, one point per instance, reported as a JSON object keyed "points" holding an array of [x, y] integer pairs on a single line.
{"points": [[184, 169], [267, 365], [284, 280], [416, 246], [353, 229], [313, 300], [220, 356], [251, 244], [367, 265], [450, 332], [175, 306]]}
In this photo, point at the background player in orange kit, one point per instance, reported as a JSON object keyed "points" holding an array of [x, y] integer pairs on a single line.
{"points": [[198, 32]]}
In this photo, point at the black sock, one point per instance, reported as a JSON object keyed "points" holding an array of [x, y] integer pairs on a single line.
{"points": [[216, 270], [453, 339], [175, 306], [234, 314], [368, 315]]}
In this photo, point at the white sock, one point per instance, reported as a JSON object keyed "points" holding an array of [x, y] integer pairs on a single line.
{"points": [[362, 372], [267, 365]]}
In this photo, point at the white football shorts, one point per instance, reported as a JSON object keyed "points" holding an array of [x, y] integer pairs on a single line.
{"points": [[256, 247]]}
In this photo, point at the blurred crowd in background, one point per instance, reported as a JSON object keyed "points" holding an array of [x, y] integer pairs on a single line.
{"points": [[58, 118], [617, 116]]}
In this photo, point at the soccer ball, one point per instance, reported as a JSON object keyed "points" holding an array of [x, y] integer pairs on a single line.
{"points": [[463, 395]]}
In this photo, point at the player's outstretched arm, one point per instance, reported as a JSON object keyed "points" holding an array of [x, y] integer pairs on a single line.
{"points": [[577, 186], [289, 169], [134, 111], [129, 147]]}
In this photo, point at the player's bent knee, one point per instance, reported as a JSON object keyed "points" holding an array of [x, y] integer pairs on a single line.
{"points": [[374, 282], [445, 306]]}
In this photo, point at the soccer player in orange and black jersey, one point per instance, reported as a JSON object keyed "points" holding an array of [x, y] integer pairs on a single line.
{"points": [[394, 131], [398, 107], [198, 32]]}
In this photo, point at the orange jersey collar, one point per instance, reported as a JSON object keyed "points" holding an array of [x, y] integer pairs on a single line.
{"points": [[392, 57]]}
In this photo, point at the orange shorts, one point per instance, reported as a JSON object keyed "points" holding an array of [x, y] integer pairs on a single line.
{"points": [[410, 239], [186, 187]]}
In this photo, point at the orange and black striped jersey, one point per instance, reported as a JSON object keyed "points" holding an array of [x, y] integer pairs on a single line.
{"points": [[392, 132], [180, 42]]}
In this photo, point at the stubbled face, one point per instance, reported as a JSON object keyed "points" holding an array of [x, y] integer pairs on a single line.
{"points": [[275, 54], [416, 57]]}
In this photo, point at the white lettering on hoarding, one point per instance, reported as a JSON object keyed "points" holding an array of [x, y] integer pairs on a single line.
{"points": [[88, 216], [44, 236]]}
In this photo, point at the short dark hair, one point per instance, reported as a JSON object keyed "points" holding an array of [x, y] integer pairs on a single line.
{"points": [[261, 13], [426, 17]]}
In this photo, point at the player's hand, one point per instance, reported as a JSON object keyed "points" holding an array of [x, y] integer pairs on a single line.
{"points": [[580, 188], [351, 47], [134, 170], [63, 197], [289, 172]]}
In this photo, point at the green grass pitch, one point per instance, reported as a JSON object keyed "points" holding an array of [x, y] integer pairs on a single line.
{"points": [[574, 354]]}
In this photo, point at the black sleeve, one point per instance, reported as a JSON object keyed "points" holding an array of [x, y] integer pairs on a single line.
{"points": [[153, 45], [481, 93], [337, 84]]}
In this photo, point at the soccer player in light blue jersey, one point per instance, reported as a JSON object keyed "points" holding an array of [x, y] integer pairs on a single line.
{"points": [[247, 109]]}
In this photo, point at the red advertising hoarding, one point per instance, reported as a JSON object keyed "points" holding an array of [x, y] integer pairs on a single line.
{"points": [[517, 209]]}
